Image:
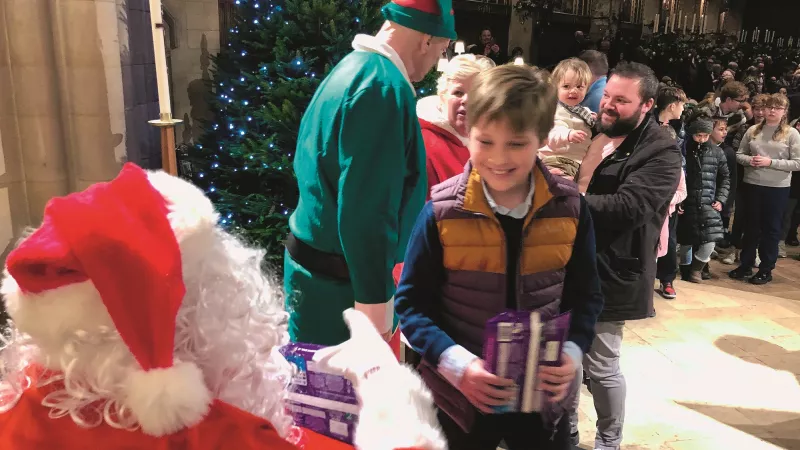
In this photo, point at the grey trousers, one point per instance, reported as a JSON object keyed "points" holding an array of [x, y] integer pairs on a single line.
{"points": [[608, 386]]}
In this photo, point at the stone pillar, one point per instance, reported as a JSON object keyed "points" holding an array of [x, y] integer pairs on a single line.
{"points": [[90, 78], [14, 214], [30, 121]]}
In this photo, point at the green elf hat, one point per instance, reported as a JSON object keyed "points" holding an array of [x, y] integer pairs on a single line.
{"points": [[434, 17]]}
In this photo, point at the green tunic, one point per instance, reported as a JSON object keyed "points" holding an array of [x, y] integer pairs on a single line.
{"points": [[360, 165]]}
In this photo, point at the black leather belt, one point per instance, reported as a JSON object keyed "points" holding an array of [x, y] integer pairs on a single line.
{"points": [[317, 261]]}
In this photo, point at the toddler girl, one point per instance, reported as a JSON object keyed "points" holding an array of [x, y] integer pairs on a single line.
{"points": [[569, 139]]}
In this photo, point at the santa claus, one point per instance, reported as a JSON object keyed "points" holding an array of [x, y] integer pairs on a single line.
{"points": [[139, 324]]}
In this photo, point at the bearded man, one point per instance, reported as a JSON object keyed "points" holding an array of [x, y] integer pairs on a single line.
{"points": [[629, 176]]}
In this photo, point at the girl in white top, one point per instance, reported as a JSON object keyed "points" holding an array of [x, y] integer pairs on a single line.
{"points": [[569, 139]]}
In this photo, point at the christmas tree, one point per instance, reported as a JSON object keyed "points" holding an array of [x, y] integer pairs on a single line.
{"points": [[278, 53]]}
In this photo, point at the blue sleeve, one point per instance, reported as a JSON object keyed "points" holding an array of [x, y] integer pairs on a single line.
{"points": [[582, 294], [418, 296], [592, 101]]}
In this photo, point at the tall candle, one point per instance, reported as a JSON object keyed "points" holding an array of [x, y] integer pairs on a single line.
{"points": [[773, 37], [694, 16], [666, 26], [655, 23], [685, 21], [160, 58]]}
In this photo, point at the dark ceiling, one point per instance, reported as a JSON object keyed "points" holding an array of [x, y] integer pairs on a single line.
{"points": [[779, 15]]}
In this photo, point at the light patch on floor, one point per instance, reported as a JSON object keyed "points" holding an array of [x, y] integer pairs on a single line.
{"points": [[717, 368]]}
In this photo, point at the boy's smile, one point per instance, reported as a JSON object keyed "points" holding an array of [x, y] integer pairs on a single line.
{"points": [[504, 159]]}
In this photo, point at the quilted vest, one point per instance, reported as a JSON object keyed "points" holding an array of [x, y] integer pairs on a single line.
{"points": [[474, 252]]}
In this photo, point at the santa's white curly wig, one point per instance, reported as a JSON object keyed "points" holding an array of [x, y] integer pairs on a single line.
{"points": [[230, 324]]}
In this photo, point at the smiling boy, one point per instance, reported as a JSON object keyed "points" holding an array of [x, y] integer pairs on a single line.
{"points": [[504, 235]]}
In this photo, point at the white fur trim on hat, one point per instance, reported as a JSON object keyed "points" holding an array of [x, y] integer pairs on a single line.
{"points": [[165, 401], [190, 211]]}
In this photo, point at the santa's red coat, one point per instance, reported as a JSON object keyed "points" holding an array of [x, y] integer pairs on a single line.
{"points": [[28, 427]]}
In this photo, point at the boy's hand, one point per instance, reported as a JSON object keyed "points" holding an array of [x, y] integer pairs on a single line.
{"points": [[484, 389], [555, 171], [557, 380], [717, 206], [577, 136]]}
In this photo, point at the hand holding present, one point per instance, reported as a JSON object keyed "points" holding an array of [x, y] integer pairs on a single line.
{"points": [[557, 379]]}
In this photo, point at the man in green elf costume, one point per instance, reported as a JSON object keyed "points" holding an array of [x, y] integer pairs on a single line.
{"points": [[360, 165]]}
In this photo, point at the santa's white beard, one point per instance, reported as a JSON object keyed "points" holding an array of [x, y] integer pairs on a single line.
{"points": [[230, 325]]}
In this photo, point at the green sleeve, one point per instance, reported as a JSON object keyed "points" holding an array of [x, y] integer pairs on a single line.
{"points": [[372, 146]]}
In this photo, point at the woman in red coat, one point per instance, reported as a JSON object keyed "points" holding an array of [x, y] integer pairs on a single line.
{"points": [[443, 118]]}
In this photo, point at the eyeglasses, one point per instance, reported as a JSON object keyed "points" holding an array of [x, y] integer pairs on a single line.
{"points": [[775, 108]]}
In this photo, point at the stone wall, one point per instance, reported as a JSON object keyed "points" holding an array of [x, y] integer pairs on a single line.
{"points": [[61, 91], [196, 40]]}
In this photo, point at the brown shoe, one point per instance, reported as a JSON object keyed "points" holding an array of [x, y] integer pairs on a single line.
{"points": [[696, 272]]}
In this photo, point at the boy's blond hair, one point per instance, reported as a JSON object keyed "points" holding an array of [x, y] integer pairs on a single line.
{"points": [[580, 68], [519, 94], [759, 100]]}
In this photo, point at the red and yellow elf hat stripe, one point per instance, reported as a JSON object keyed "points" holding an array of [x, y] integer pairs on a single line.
{"points": [[433, 17]]}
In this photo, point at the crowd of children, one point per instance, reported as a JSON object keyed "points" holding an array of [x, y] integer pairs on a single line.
{"points": [[731, 166]]}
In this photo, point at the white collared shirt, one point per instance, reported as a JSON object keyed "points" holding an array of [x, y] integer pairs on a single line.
{"points": [[369, 43], [519, 211]]}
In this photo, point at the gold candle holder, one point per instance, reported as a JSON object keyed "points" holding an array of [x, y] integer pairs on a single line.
{"points": [[166, 123]]}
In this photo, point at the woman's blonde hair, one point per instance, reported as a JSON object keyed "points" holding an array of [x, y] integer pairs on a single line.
{"points": [[775, 100], [580, 68], [461, 68]]}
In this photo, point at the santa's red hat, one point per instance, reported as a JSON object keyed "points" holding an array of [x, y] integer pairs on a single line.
{"points": [[123, 236]]}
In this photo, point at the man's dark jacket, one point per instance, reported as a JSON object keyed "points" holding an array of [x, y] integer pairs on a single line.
{"points": [[628, 197]]}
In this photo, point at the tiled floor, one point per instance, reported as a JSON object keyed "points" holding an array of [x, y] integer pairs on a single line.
{"points": [[717, 368]]}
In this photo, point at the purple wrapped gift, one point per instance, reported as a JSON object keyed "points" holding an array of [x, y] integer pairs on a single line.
{"points": [[322, 402], [516, 343]]}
